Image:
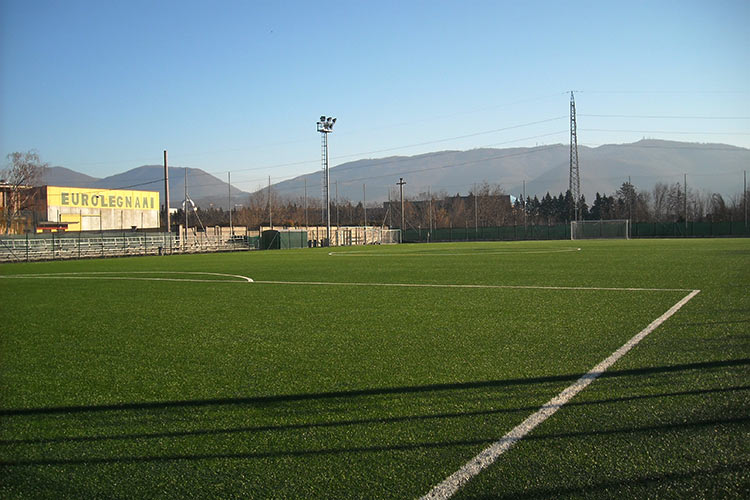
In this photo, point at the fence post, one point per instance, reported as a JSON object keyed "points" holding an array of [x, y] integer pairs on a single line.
{"points": [[27, 247]]}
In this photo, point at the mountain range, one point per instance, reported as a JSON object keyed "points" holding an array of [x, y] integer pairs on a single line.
{"points": [[204, 189], [712, 167], [537, 170]]}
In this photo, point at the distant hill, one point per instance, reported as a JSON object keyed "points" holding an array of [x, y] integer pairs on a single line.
{"points": [[61, 176], [204, 188], [713, 167]]}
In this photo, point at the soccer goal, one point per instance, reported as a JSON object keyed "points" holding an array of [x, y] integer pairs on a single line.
{"points": [[390, 236], [591, 229]]}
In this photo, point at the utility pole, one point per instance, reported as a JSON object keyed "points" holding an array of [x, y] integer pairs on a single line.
{"points": [[476, 214], [364, 208], [305, 202], [575, 177], [270, 221], [166, 192], [429, 193], [185, 207], [631, 192], [400, 184], [523, 203], [229, 187]]}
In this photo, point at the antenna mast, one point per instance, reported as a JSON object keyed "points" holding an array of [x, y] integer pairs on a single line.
{"points": [[575, 177]]}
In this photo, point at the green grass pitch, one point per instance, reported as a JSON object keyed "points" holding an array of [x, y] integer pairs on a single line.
{"points": [[320, 380]]}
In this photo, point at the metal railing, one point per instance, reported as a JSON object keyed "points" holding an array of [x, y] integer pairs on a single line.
{"points": [[54, 246]]}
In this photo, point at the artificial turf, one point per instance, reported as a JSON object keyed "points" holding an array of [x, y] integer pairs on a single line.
{"points": [[139, 389]]}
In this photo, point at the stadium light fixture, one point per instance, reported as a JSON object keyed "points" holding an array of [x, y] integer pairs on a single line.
{"points": [[325, 127]]}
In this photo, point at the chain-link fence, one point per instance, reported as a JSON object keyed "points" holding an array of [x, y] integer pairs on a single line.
{"points": [[562, 231]]}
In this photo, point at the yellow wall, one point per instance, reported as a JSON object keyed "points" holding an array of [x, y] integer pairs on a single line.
{"points": [[73, 220], [102, 198], [87, 209]]}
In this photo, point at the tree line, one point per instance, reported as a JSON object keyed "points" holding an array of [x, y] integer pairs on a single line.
{"points": [[486, 205]]}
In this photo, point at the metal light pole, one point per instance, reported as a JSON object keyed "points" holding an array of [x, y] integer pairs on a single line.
{"points": [[185, 206], [325, 127], [229, 188], [400, 184], [270, 220], [166, 193]]}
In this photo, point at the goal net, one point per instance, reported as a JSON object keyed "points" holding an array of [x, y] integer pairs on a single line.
{"points": [[389, 236], [591, 229]]}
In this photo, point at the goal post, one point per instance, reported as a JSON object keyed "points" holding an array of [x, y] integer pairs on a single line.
{"points": [[596, 229], [390, 236]]}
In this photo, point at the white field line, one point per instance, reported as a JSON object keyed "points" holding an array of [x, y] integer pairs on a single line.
{"points": [[102, 275], [111, 275], [489, 455], [448, 285]]}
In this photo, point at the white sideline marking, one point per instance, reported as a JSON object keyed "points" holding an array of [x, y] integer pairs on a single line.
{"points": [[98, 275], [438, 285], [486, 457]]}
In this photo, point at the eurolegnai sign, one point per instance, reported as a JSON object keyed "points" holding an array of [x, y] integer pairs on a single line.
{"points": [[102, 198], [88, 209]]}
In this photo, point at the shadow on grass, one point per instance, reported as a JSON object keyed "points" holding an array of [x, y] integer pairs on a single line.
{"points": [[284, 398], [354, 422], [607, 487], [713, 323], [361, 449]]}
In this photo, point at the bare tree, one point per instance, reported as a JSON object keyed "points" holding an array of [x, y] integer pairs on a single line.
{"points": [[22, 173]]}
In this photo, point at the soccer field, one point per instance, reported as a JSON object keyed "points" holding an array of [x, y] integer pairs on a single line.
{"points": [[381, 372]]}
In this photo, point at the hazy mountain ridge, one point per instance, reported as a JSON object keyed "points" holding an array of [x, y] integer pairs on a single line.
{"points": [[603, 169], [204, 188]]}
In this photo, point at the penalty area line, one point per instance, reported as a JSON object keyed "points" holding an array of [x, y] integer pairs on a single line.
{"points": [[489, 455], [450, 285]]}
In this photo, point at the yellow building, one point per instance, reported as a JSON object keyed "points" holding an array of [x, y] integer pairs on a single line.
{"points": [[89, 209]]}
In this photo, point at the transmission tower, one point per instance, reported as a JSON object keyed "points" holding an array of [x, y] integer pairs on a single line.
{"points": [[575, 177]]}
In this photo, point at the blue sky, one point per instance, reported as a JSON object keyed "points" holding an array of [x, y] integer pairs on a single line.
{"points": [[102, 87]]}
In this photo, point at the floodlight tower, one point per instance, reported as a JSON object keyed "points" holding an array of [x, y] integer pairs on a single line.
{"points": [[325, 127], [575, 178]]}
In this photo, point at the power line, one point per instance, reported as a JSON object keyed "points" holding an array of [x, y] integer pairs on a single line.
{"points": [[475, 134], [671, 117], [663, 91]]}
